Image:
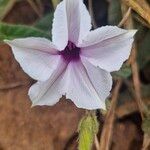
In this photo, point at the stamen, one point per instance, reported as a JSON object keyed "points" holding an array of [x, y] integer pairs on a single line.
{"points": [[71, 52]]}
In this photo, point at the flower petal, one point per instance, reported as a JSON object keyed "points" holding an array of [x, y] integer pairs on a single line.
{"points": [[35, 56], [102, 47], [80, 88], [76, 85], [79, 21], [75, 23], [101, 34], [101, 79], [60, 27], [35, 43], [47, 92]]}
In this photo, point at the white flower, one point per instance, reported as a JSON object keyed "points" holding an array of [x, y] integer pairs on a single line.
{"points": [[77, 63]]}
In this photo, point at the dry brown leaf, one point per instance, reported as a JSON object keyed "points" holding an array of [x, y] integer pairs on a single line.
{"points": [[141, 7]]}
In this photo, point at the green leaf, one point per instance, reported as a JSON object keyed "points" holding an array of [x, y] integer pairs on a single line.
{"points": [[88, 128], [55, 3], [145, 88], [45, 23], [10, 32], [124, 72], [114, 12], [146, 125], [143, 46]]}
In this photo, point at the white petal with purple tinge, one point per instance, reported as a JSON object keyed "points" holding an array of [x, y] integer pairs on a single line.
{"points": [[79, 87], [45, 93], [34, 56], [100, 79], [79, 21], [71, 22], [110, 53], [77, 63], [60, 27]]}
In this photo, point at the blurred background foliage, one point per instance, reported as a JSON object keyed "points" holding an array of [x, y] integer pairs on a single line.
{"points": [[17, 20]]}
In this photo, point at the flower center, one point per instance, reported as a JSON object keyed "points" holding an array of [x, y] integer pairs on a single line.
{"points": [[71, 52]]}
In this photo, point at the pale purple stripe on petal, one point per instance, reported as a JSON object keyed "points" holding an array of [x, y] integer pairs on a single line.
{"points": [[110, 53]]}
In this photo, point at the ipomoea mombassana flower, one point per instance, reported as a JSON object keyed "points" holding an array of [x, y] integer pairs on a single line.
{"points": [[78, 61]]}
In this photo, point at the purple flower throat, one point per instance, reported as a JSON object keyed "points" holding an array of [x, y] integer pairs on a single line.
{"points": [[71, 52]]}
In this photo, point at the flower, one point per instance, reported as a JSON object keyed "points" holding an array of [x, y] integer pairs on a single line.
{"points": [[77, 63]]}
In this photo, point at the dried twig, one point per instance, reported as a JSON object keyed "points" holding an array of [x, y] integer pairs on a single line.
{"points": [[136, 81], [125, 18], [146, 142], [139, 9], [141, 20], [141, 106], [107, 131], [96, 143]]}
